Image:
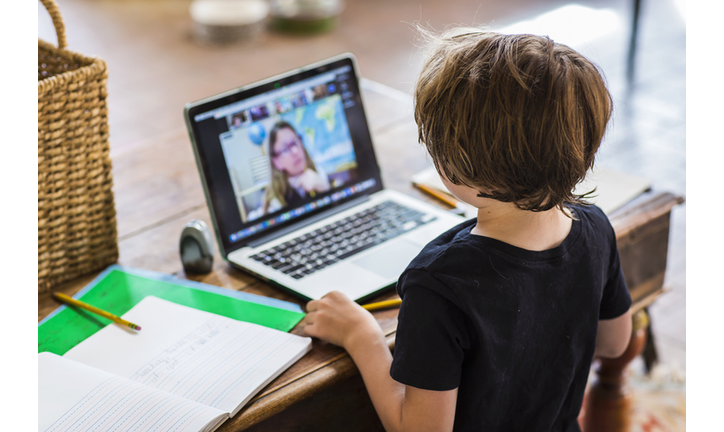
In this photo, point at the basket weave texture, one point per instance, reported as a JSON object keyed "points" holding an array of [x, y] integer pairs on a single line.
{"points": [[76, 213]]}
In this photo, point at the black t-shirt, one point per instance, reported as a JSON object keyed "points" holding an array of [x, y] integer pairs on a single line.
{"points": [[514, 330]]}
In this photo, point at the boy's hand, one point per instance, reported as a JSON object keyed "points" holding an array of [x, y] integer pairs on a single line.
{"points": [[336, 319]]}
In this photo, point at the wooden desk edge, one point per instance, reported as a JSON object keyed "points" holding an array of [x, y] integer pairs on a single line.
{"points": [[647, 206], [262, 408]]}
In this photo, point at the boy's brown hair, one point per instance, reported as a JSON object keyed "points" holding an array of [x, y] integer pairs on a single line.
{"points": [[517, 117]]}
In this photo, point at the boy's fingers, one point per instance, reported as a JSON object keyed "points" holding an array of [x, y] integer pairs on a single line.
{"points": [[308, 320], [312, 306], [335, 296], [309, 330], [312, 330]]}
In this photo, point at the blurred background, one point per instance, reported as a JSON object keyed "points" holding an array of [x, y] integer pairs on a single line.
{"points": [[157, 63]]}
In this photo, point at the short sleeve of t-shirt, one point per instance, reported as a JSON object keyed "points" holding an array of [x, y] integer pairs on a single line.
{"points": [[616, 299], [431, 337]]}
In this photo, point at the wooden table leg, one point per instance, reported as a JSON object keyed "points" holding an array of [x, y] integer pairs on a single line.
{"points": [[608, 404]]}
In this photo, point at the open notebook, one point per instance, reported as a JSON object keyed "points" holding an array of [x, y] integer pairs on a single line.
{"points": [[187, 370]]}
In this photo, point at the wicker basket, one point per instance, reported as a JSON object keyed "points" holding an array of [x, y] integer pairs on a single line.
{"points": [[76, 214]]}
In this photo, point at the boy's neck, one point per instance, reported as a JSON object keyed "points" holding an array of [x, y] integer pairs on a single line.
{"points": [[535, 231]]}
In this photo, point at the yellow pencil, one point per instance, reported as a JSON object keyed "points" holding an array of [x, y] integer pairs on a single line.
{"points": [[71, 301], [383, 304], [442, 196]]}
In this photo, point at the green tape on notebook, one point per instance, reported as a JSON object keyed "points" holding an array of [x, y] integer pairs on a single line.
{"points": [[118, 289]]}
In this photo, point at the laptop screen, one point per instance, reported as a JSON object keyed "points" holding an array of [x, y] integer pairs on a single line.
{"points": [[282, 150]]}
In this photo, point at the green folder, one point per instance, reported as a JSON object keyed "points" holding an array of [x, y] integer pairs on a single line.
{"points": [[118, 289]]}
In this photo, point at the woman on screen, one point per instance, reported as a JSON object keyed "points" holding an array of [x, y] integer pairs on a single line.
{"points": [[295, 178]]}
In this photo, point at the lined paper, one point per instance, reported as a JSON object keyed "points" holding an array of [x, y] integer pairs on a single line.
{"points": [[75, 397], [203, 357]]}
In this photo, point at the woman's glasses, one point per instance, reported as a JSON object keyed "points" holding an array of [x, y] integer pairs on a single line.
{"points": [[287, 149]]}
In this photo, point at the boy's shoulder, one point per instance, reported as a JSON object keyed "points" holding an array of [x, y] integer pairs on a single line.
{"points": [[591, 211], [592, 218], [441, 258], [435, 251]]}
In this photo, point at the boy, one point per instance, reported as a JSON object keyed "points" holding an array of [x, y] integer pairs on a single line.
{"points": [[501, 316]]}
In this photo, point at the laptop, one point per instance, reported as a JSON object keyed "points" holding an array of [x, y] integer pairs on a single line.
{"points": [[294, 188]]}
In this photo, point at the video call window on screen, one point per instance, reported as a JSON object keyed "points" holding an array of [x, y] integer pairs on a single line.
{"points": [[288, 151]]}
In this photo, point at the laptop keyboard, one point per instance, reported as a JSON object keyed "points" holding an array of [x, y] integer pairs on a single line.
{"points": [[318, 249]]}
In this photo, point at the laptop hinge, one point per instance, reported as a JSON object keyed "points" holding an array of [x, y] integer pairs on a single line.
{"points": [[307, 222]]}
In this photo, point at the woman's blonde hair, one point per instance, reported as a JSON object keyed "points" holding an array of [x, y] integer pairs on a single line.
{"points": [[517, 117], [279, 179]]}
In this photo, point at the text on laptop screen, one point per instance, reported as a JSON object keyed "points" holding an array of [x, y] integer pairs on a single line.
{"points": [[287, 152]]}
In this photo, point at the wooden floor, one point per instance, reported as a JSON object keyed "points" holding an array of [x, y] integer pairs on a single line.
{"points": [[155, 68]]}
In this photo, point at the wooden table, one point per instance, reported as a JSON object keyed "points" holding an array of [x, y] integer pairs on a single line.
{"points": [[157, 190]]}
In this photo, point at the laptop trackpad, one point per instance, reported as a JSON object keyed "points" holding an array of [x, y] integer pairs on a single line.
{"points": [[390, 261]]}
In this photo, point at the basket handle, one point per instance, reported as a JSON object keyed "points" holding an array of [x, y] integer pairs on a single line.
{"points": [[52, 9]]}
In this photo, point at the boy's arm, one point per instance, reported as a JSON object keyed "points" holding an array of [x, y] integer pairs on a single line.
{"points": [[338, 320], [613, 336]]}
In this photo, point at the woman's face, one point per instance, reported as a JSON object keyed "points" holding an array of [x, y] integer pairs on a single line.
{"points": [[288, 153]]}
